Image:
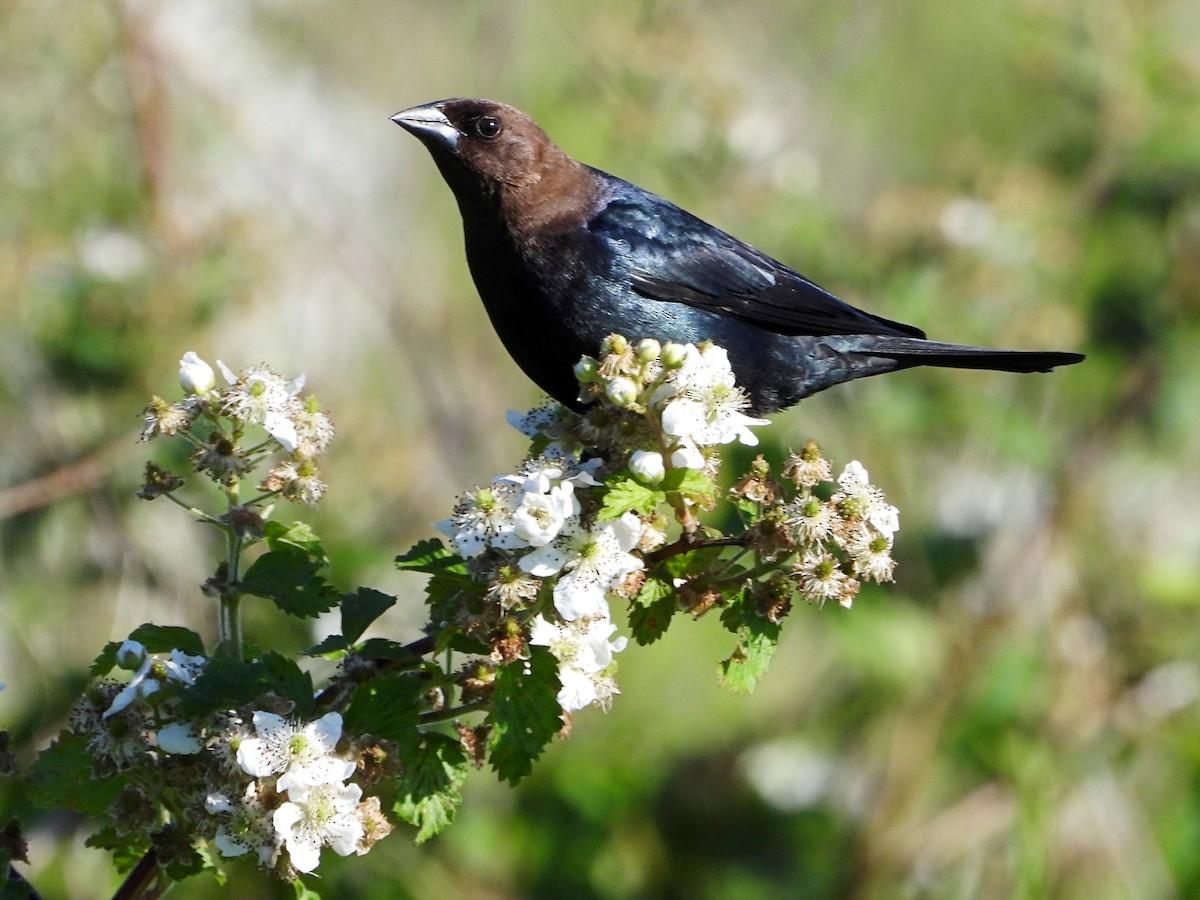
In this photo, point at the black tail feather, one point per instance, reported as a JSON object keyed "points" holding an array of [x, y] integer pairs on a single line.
{"points": [[917, 352]]}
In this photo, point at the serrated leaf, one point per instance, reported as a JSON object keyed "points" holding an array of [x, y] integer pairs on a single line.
{"points": [[388, 705], [431, 556], [525, 713], [226, 683], [757, 639], [649, 623], [289, 577], [156, 639], [691, 482], [333, 645], [628, 495], [430, 786], [382, 648], [297, 534], [362, 608], [653, 590], [61, 778]]}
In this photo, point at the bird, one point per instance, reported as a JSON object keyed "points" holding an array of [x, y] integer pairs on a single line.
{"points": [[564, 254]]}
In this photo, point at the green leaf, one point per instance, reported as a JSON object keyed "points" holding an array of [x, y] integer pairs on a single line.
{"points": [[757, 639], [525, 713], [431, 783], [298, 534], [382, 648], [333, 646], [388, 706], [362, 608], [691, 482], [628, 495], [649, 623], [653, 590], [432, 557], [226, 683], [156, 639], [288, 577], [61, 778]]}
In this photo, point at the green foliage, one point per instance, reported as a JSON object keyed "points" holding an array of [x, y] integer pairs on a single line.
{"points": [[757, 639], [62, 778], [429, 789], [290, 577], [228, 683], [525, 714]]}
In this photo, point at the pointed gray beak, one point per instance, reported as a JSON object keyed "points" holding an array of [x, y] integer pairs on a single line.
{"points": [[429, 124]]}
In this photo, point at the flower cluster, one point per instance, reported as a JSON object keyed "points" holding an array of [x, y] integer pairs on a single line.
{"points": [[278, 785], [844, 539], [583, 520], [294, 424]]}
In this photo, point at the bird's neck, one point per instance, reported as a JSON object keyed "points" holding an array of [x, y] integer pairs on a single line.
{"points": [[564, 195]]}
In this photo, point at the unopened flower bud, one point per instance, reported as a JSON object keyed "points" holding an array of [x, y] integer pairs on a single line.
{"points": [[616, 343], [585, 370], [673, 354], [647, 349], [130, 655], [647, 465], [621, 391], [195, 375]]}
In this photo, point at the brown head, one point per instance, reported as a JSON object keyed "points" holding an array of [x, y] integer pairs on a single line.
{"points": [[497, 160]]}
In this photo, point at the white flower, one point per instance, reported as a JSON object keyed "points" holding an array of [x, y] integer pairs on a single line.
{"points": [[534, 421], [857, 497], [540, 517], [592, 561], [195, 375], [262, 397], [318, 816], [147, 680], [820, 578], [180, 738], [302, 752], [870, 551], [247, 826], [648, 465], [181, 667], [811, 518], [484, 518], [707, 407], [584, 652]]}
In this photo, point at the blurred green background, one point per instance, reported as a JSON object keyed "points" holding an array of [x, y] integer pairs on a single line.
{"points": [[1016, 717]]}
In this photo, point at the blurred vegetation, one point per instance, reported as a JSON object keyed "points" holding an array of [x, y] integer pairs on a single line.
{"points": [[1017, 717]]}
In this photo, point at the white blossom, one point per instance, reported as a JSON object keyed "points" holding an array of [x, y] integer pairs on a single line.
{"points": [[483, 518], [247, 825], [590, 562], [316, 816], [261, 397], [180, 738], [539, 518], [300, 753], [178, 666], [584, 652], [707, 406], [858, 497]]}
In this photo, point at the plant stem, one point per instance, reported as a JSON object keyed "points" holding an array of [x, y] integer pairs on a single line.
{"points": [[229, 619]]}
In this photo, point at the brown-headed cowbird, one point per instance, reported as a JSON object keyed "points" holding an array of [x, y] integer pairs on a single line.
{"points": [[564, 255]]}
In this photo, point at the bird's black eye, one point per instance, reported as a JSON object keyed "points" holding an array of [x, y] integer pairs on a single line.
{"points": [[487, 126]]}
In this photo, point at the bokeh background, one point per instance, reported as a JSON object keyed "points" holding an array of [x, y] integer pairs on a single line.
{"points": [[1015, 717]]}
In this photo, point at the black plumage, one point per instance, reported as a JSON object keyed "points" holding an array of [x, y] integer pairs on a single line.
{"points": [[563, 255]]}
